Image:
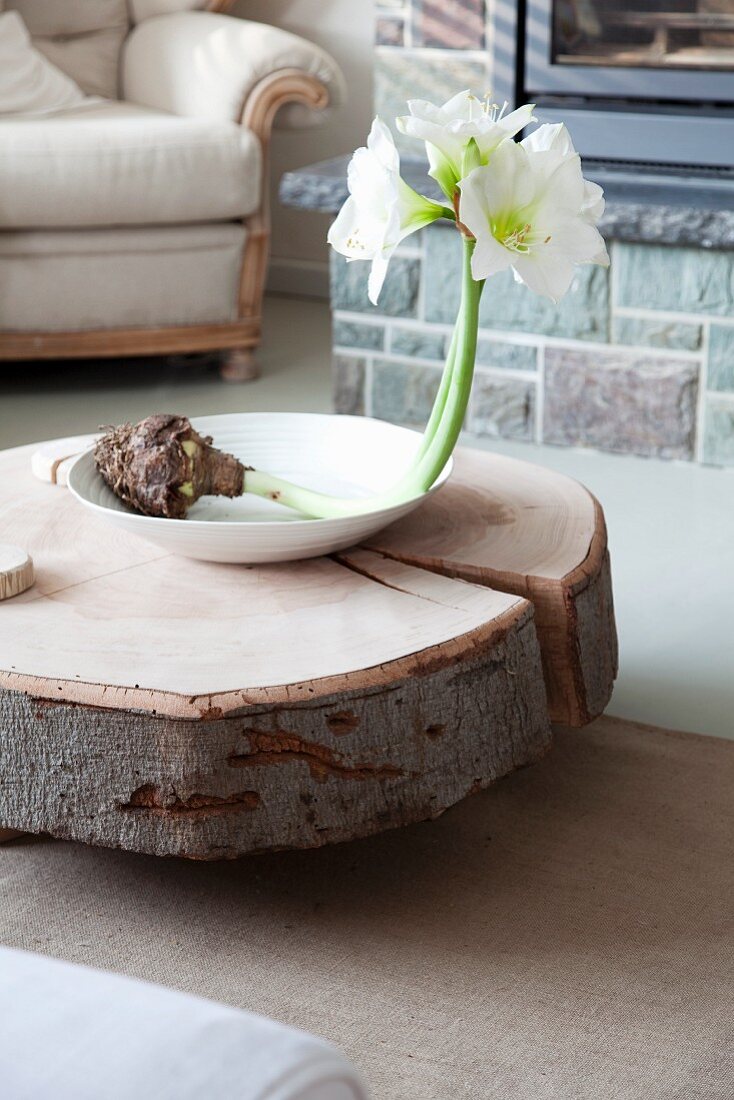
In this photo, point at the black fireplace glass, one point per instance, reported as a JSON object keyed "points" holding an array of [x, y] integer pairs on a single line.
{"points": [[656, 34]]}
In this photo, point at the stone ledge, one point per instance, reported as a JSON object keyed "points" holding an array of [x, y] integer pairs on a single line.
{"points": [[654, 209]]}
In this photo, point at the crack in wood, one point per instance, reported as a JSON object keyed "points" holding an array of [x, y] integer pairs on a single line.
{"points": [[127, 568], [342, 722], [152, 799], [362, 571], [280, 747]]}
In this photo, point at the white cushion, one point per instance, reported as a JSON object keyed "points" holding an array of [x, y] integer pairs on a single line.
{"points": [[29, 83], [144, 9], [119, 164], [70, 1033], [80, 279], [51, 18], [82, 37]]}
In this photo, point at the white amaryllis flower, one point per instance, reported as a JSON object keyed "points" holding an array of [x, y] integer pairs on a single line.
{"points": [[556, 138], [448, 129], [529, 209], [381, 209]]}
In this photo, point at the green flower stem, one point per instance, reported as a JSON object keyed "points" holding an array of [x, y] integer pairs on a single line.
{"points": [[439, 440], [313, 505], [443, 391], [424, 472]]}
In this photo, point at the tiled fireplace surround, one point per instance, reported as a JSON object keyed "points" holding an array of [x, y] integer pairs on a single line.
{"points": [[638, 359]]}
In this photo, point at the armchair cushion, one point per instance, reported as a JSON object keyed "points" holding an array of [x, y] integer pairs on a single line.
{"points": [[118, 164], [127, 277], [82, 37], [144, 9], [29, 83], [64, 18], [205, 65]]}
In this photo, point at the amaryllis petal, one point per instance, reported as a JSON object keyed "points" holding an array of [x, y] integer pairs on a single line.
{"points": [[381, 209], [380, 142], [593, 204], [489, 258], [549, 136], [349, 233], [550, 276], [378, 271], [447, 129], [518, 119], [530, 208]]}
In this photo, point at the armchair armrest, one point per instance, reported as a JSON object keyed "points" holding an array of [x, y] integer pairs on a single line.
{"points": [[205, 65]]}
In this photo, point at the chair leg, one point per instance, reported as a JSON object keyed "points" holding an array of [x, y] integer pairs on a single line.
{"points": [[239, 365]]}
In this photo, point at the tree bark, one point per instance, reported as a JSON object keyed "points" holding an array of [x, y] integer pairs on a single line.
{"points": [[370, 750]]}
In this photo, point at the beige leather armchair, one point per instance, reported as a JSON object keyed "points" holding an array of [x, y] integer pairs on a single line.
{"points": [[138, 224]]}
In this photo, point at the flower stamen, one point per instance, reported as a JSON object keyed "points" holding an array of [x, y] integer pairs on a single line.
{"points": [[517, 240], [353, 241], [493, 111]]}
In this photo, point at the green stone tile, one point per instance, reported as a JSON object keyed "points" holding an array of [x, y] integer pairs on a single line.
{"points": [[686, 280], [347, 377], [721, 358], [582, 314], [401, 75], [502, 408], [404, 392], [442, 274], [657, 333], [350, 334], [718, 440], [500, 354], [620, 400], [420, 343], [399, 297]]}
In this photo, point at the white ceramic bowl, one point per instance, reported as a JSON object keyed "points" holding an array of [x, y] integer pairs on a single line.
{"points": [[342, 455]]}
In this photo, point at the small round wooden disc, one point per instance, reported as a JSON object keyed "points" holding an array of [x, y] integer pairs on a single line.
{"points": [[16, 571]]}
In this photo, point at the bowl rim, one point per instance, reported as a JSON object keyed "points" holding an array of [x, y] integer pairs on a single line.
{"points": [[140, 519]]}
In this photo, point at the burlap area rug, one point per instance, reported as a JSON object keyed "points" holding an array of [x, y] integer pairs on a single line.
{"points": [[567, 934]]}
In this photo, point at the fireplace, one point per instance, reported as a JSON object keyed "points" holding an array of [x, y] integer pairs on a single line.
{"points": [[636, 80], [638, 358], [687, 35]]}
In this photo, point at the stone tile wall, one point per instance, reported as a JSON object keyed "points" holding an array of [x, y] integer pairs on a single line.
{"points": [[441, 24], [428, 49], [638, 359]]}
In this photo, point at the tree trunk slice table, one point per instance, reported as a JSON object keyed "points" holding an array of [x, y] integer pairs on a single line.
{"points": [[184, 708]]}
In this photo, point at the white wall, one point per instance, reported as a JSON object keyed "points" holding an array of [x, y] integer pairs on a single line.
{"points": [[346, 29]]}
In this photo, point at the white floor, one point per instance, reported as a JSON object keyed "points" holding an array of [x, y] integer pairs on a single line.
{"points": [[671, 525]]}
